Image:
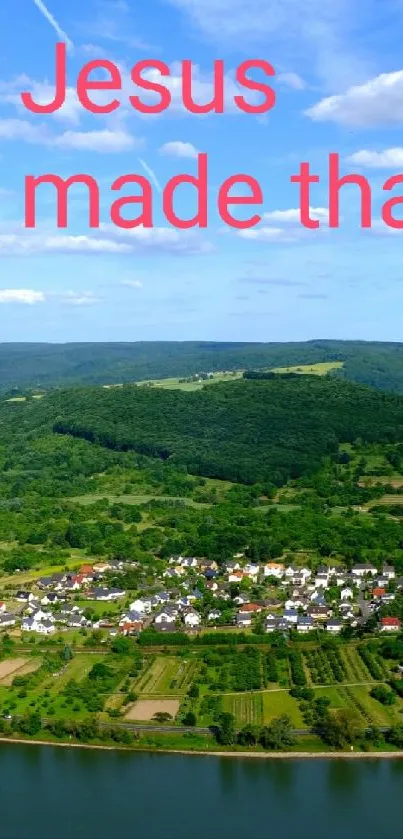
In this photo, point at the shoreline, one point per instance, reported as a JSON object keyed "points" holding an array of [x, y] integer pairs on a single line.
{"points": [[249, 755]]}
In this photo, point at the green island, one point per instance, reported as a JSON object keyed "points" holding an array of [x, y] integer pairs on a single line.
{"points": [[204, 569]]}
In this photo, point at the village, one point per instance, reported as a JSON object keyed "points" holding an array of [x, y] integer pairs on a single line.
{"points": [[192, 594]]}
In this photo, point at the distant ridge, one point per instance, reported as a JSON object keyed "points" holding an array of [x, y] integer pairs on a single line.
{"points": [[42, 365]]}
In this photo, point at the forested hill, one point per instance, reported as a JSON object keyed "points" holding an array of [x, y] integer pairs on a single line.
{"points": [[248, 431], [47, 365]]}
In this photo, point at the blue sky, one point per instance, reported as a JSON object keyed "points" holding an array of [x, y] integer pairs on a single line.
{"points": [[339, 87]]}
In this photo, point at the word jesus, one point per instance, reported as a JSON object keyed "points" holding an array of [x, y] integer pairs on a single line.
{"points": [[144, 75]]}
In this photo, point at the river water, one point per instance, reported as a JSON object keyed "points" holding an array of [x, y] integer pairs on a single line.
{"points": [[57, 793]]}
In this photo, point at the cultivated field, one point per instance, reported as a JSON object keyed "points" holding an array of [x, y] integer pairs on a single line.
{"points": [[166, 676], [144, 709], [320, 369], [246, 707], [28, 666], [9, 667]]}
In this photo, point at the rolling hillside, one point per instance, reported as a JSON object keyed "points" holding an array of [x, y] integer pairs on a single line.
{"points": [[28, 366]]}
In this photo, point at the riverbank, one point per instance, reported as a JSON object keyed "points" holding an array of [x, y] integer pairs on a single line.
{"points": [[199, 753]]}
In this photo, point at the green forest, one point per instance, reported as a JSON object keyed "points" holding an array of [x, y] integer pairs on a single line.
{"points": [[29, 366]]}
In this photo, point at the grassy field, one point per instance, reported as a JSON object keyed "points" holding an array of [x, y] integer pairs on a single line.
{"points": [[176, 384], [280, 702], [320, 369], [133, 499]]}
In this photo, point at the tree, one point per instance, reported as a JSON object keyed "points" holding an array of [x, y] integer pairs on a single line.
{"points": [[226, 729], [189, 718], [248, 735], [162, 716], [278, 735], [383, 695], [194, 691], [340, 728]]}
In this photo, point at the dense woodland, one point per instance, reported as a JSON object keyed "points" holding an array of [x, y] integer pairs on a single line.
{"points": [[48, 365], [246, 431], [316, 436]]}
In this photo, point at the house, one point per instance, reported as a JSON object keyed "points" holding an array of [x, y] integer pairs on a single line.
{"points": [[166, 617], [3, 607], [390, 625], [251, 570], [334, 625], [274, 569], [322, 580], [189, 562], [305, 624], [282, 625], [7, 619], [211, 585], [346, 593], [69, 608], [208, 565], [320, 613], [291, 616], [101, 567], [214, 615], [389, 572], [131, 628], [270, 625], [377, 593], [192, 618], [362, 571], [24, 596], [76, 621], [44, 627], [51, 597], [235, 576], [250, 608], [142, 604], [244, 619], [106, 594]]}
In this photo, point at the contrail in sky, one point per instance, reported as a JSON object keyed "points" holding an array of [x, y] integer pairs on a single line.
{"points": [[151, 174], [53, 22]]}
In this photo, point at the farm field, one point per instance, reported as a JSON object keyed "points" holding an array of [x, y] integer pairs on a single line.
{"points": [[246, 707], [144, 709], [320, 369], [166, 676], [176, 384], [9, 667]]}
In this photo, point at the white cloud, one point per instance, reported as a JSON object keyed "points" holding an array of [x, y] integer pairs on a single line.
{"points": [[26, 244], [320, 33], [268, 234], [292, 80], [132, 283], [42, 92], [53, 22], [377, 102], [285, 226], [20, 129], [177, 148], [293, 216], [387, 159], [85, 298], [21, 295], [104, 141], [107, 240]]}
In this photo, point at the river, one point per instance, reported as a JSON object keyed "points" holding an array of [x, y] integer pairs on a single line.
{"points": [[56, 793]]}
